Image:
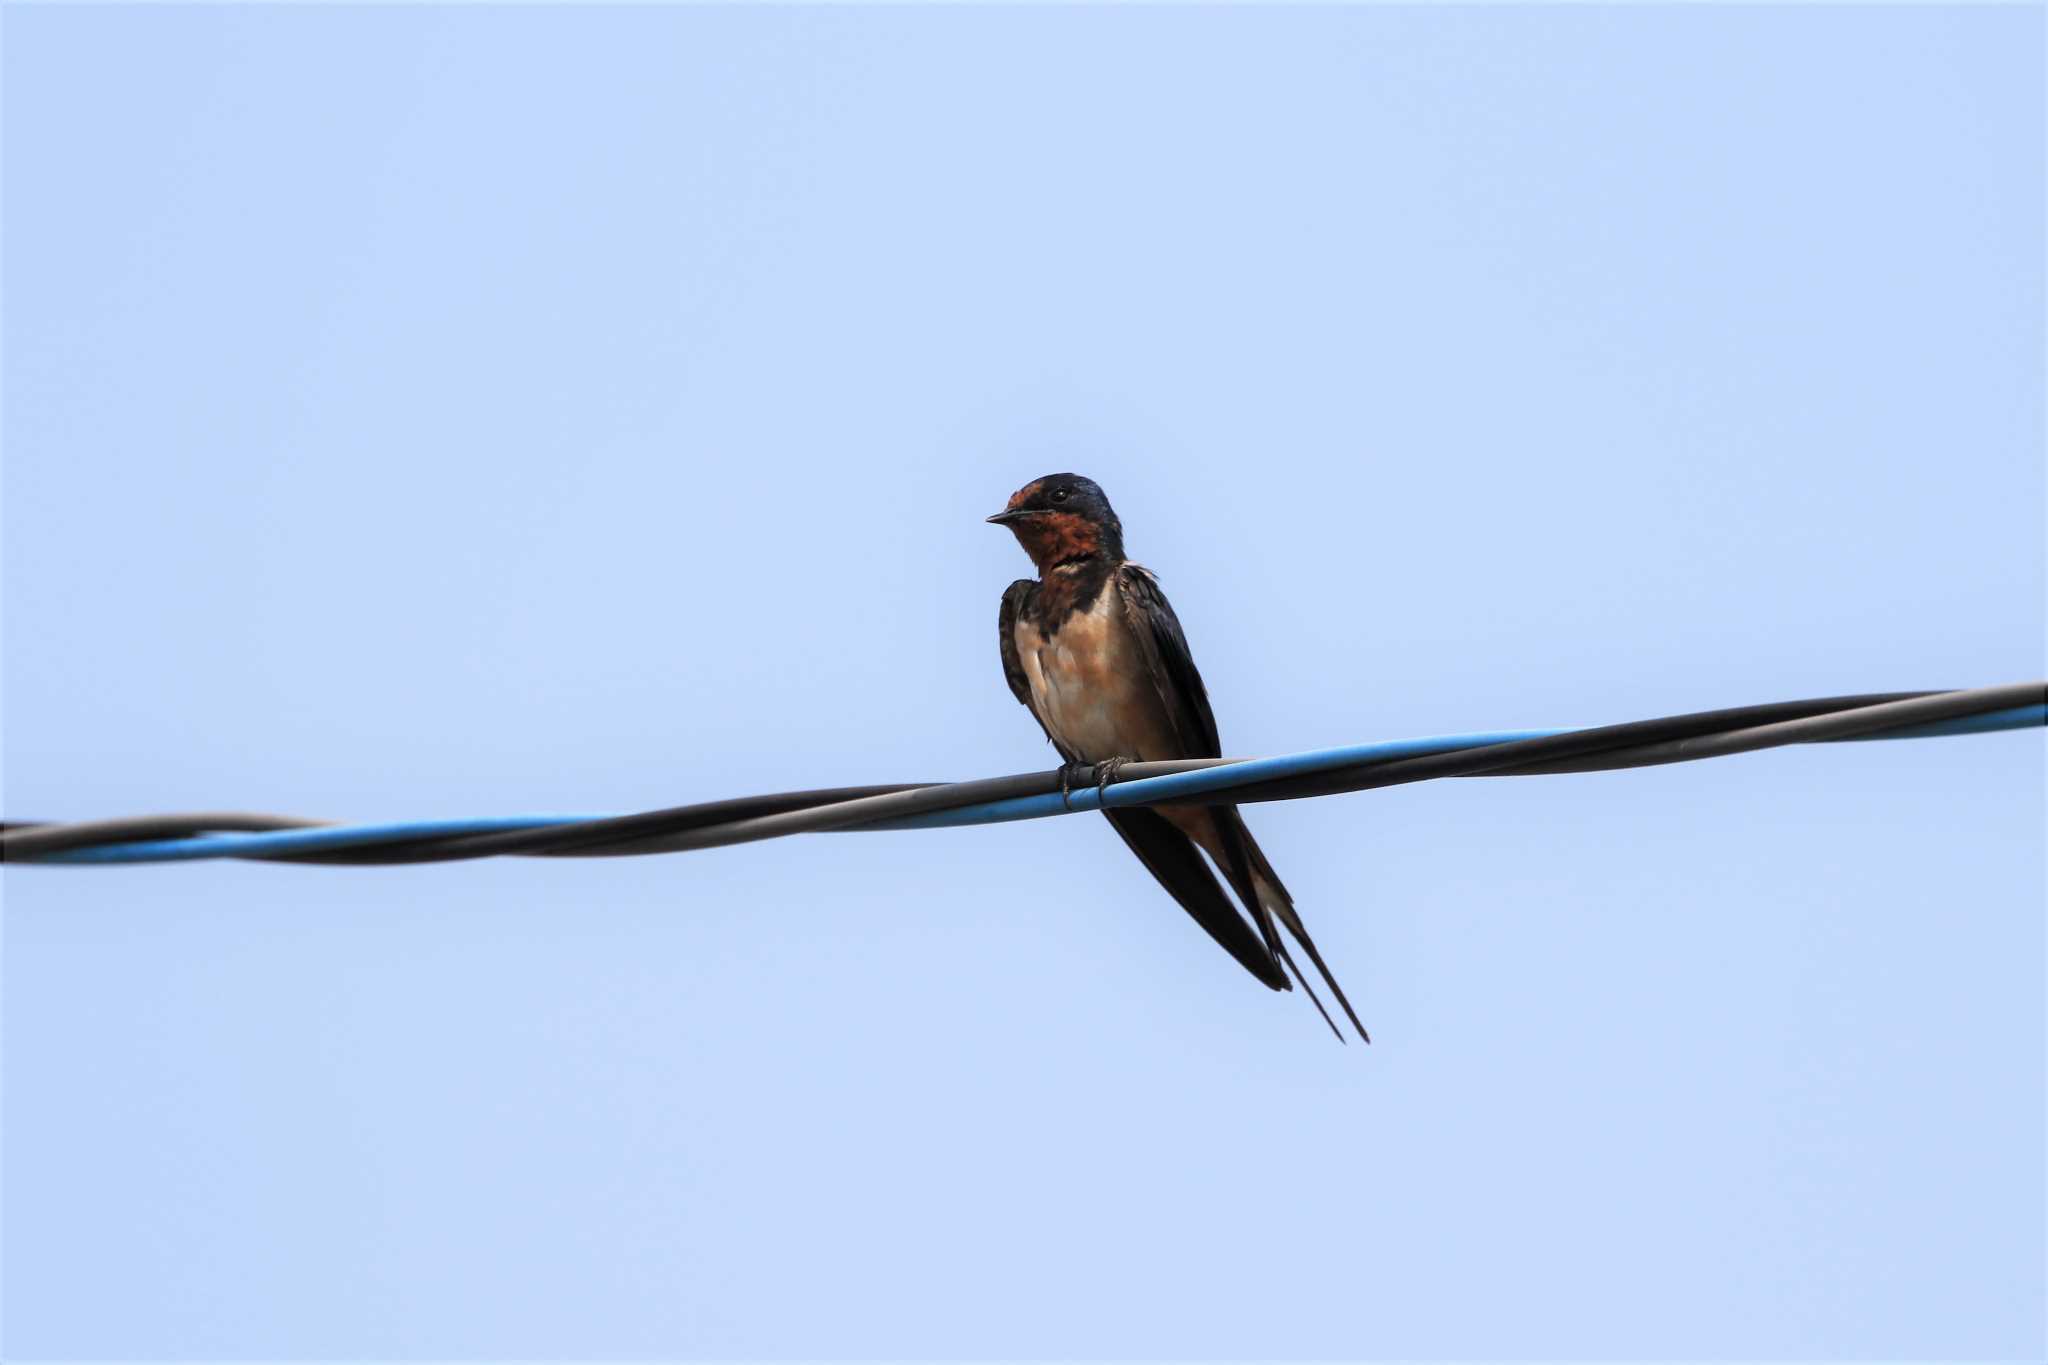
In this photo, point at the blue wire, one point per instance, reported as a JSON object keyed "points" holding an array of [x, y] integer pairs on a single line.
{"points": [[2016, 718], [1207, 780], [1198, 783], [1202, 781], [201, 846]]}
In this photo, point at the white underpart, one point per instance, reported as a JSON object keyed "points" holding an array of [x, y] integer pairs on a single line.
{"points": [[1089, 686]]}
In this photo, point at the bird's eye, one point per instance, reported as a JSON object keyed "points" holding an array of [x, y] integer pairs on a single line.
{"points": [[1060, 494]]}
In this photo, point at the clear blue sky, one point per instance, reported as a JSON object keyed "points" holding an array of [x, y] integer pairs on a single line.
{"points": [[421, 413]]}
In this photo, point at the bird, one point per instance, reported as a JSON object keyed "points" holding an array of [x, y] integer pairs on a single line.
{"points": [[1093, 650]]}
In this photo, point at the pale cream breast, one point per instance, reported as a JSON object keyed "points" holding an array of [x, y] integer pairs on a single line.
{"points": [[1089, 685]]}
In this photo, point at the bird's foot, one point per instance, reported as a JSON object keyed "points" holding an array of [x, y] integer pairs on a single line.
{"points": [[1070, 774], [1105, 773]]}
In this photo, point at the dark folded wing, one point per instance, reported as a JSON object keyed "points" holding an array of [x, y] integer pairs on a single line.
{"points": [[1165, 652], [1173, 859], [1014, 599]]}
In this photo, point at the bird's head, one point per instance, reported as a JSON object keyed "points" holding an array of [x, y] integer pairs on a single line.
{"points": [[1063, 519]]}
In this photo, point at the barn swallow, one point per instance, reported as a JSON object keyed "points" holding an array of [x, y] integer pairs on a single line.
{"points": [[1092, 648]]}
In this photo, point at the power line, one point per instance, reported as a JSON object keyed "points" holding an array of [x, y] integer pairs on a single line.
{"points": [[1030, 796]]}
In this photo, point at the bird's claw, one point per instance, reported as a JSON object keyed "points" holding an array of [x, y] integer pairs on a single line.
{"points": [[1105, 773]]}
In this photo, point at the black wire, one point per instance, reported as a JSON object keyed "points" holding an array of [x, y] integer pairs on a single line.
{"points": [[25, 838], [1599, 749], [645, 832], [714, 824], [1648, 743]]}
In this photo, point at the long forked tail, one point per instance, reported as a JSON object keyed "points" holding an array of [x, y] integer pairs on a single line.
{"points": [[1259, 886]]}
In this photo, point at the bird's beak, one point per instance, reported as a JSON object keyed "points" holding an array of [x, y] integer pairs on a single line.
{"points": [[1014, 514]]}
